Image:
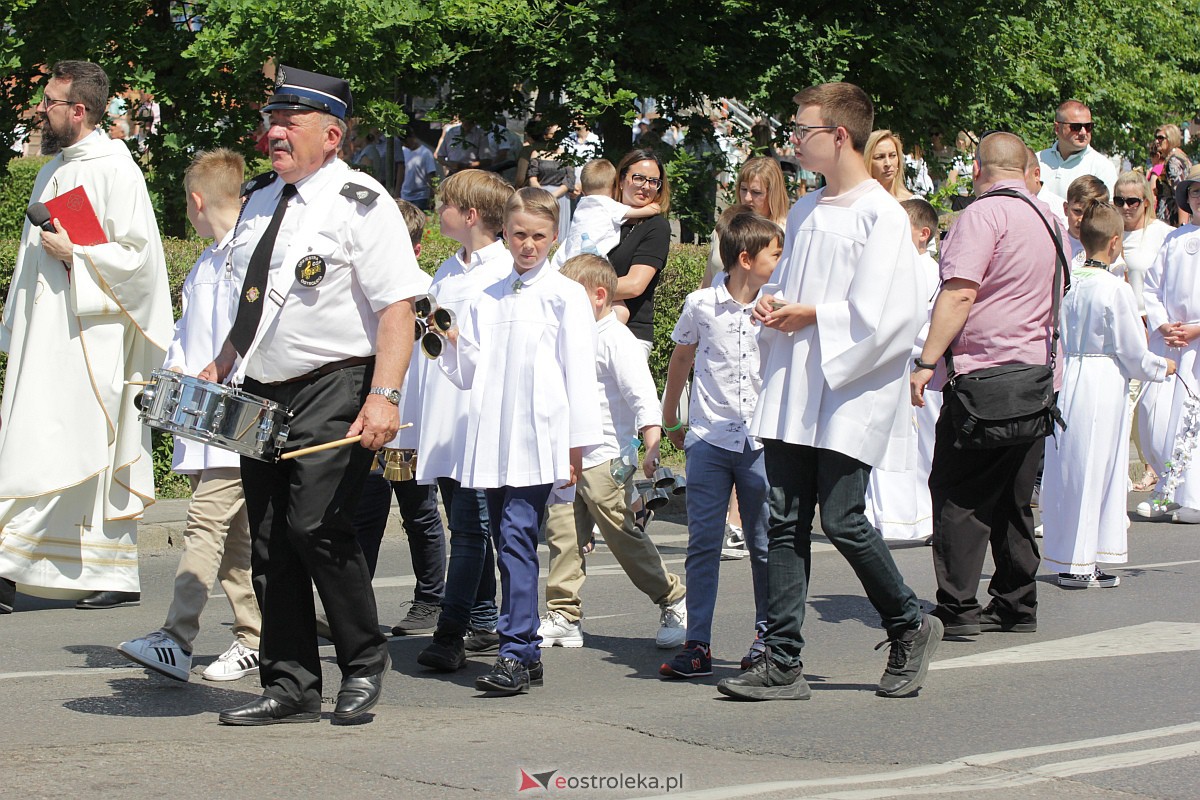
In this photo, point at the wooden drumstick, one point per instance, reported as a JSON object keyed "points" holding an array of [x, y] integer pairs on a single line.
{"points": [[316, 448], [138, 383]]}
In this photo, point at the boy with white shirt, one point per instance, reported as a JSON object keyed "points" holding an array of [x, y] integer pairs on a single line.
{"points": [[598, 216], [839, 326], [471, 209], [716, 333], [628, 406], [527, 355], [217, 539]]}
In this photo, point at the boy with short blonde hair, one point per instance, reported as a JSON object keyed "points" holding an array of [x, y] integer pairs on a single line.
{"points": [[628, 406], [598, 216], [217, 539]]}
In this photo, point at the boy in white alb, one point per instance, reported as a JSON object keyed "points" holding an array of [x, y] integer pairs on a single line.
{"points": [[716, 332], [628, 405], [840, 322], [217, 538], [898, 503], [598, 216], [527, 353], [1086, 475]]}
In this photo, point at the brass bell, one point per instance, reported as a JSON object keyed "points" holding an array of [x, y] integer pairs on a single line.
{"points": [[398, 465]]}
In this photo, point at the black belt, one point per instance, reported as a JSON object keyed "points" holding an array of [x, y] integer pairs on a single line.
{"points": [[325, 369]]}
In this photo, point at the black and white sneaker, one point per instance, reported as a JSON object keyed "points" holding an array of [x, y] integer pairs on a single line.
{"points": [[159, 652], [236, 662], [1097, 580]]}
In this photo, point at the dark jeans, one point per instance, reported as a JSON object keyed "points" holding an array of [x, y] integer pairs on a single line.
{"points": [[470, 597], [422, 524], [982, 496], [803, 478], [302, 527]]}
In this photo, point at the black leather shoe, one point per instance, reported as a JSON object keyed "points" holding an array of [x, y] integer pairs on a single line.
{"points": [[509, 676], [535, 673], [993, 620], [447, 653], [109, 600], [266, 711], [8, 595], [359, 695]]}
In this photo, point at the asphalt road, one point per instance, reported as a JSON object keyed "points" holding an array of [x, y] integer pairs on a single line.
{"points": [[1102, 702]]}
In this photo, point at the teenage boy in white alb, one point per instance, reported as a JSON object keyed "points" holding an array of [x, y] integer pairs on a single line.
{"points": [[839, 320], [216, 543], [628, 406]]}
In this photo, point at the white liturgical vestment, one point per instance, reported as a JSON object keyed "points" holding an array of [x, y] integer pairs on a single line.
{"points": [[75, 464]]}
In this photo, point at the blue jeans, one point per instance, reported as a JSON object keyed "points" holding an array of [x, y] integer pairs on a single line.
{"points": [[712, 473], [422, 525], [515, 515], [470, 598], [801, 479]]}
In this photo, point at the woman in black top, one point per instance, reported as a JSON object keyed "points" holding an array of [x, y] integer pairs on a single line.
{"points": [[642, 253]]}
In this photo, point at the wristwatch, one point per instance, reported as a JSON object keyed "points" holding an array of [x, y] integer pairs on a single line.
{"points": [[391, 395]]}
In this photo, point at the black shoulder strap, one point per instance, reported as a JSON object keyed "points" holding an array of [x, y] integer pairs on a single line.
{"points": [[359, 193], [250, 187], [1062, 275]]}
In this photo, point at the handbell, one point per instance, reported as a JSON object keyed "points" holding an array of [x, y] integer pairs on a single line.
{"points": [[664, 478], [655, 498], [424, 305], [432, 344], [442, 320], [398, 465], [418, 329], [680, 486]]}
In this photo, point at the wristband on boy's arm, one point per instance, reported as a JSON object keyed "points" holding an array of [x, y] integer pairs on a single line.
{"points": [[674, 428]]}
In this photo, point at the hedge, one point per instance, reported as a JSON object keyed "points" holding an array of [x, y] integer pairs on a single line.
{"points": [[685, 268]]}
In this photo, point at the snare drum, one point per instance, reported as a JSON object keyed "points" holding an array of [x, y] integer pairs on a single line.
{"points": [[215, 414]]}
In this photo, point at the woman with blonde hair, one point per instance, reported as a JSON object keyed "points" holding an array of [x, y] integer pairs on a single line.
{"points": [[760, 185], [1168, 140], [884, 157]]}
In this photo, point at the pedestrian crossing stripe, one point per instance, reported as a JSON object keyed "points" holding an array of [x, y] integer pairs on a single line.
{"points": [[1134, 640]]}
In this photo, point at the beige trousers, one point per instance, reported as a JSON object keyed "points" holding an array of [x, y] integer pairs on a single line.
{"points": [[216, 546], [600, 499]]}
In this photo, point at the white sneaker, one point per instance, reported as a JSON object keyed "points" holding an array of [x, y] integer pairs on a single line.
{"points": [[1188, 516], [159, 652], [1151, 511], [236, 662], [1039, 531], [672, 631], [734, 546], [558, 631]]}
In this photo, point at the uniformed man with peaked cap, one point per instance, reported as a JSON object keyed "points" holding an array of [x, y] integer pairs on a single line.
{"points": [[324, 327]]}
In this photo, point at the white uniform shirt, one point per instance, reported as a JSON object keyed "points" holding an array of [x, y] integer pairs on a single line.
{"points": [[1058, 172], [628, 397], [601, 219], [842, 384], [528, 357], [418, 166], [437, 408], [360, 261], [210, 300], [726, 378]]}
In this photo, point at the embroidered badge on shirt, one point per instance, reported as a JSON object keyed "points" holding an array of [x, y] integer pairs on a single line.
{"points": [[310, 270], [1192, 246], [252, 294]]}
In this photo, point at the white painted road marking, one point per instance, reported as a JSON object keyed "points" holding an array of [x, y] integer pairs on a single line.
{"points": [[85, 671], [1134, 640]]}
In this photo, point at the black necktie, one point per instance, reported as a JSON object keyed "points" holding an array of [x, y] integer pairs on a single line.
{"points": [[250, 302]]}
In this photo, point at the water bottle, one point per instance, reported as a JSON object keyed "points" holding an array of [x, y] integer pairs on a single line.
{"points": [[586, 245], [623, 466]]}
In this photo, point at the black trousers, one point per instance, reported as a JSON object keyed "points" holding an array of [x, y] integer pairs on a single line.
{"points": [[982, 497], [302, 526], [422, 524]]}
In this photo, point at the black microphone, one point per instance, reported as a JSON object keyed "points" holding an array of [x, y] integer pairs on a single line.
{"points": [[39, 215]]}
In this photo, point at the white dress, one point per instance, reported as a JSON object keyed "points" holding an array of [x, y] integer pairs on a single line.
{"points": [[1172, 294], [1085, 480]]}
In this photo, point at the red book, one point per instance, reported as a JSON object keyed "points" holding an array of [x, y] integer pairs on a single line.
{"points": [[75, 212]]}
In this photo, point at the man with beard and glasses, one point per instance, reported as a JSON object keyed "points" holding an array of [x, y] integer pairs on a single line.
{"points": [[79, 324]]}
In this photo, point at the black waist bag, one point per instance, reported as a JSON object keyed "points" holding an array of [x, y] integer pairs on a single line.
{"points": [[1002, 406]]}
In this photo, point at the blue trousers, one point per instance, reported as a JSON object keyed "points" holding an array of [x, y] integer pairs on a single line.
{"points": [[515, 516]]}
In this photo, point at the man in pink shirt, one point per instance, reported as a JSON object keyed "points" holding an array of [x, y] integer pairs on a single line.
{"points": [[997, 269]]}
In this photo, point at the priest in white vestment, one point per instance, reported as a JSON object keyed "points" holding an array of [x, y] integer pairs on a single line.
{"points": [[79, 323]]}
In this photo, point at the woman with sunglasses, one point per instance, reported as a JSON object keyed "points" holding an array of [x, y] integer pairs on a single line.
{"points": [[1144, 235], [1175, 165], [642, 252]]}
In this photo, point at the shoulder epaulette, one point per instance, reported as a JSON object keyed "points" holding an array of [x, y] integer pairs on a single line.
{"points": [[256, 183], [360, 193]]}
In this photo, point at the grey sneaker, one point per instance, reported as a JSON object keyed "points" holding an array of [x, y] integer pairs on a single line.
{"points": [[766, 680], [421, 617], [482, 640], [909, 658]]}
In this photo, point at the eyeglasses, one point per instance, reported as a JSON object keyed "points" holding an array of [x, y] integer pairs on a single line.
{"points": [[1132, 202], [50, 102], [1076, 127], [802, 132], [640, 180], [1158, 137]]}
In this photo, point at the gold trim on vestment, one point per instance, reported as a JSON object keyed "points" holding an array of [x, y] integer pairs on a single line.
{"points": [[57, 490], [54, 540], [108, 290]]}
